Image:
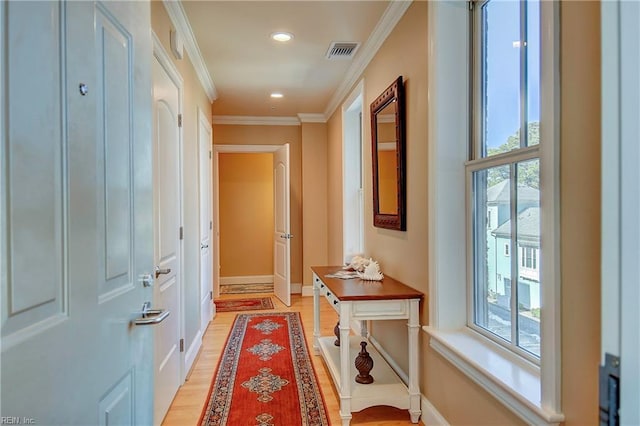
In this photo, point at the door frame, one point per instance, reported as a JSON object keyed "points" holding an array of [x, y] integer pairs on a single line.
{"points": [[217, 150], [161, 54]]}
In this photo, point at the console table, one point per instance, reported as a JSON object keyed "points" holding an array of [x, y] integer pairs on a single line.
{"points": [[365, 301]]}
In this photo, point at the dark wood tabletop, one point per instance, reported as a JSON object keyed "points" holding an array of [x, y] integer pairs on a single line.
{"points": [[358, 289]]}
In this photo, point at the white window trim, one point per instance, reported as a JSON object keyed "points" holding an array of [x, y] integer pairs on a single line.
{"points": [[537, 399], [352, 172]]}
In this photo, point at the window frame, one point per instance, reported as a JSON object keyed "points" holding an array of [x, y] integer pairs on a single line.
{"points": [[480, 160], [531, 392]]}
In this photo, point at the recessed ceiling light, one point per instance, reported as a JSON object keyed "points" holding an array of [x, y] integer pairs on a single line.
{"points": [[277, 95], [281, 36]]}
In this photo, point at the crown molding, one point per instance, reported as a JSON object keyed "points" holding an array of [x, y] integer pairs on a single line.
{"points": [[246, 120], [312, 118], [181, 22], [387, 23]]}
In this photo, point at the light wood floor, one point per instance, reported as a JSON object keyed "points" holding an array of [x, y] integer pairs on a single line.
{"points": [[190, 399]]}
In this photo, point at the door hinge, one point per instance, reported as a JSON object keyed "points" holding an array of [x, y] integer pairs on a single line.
{"points": [[609, 390], [470, 2], [179, 120], [210, 224], [181, 345], [210, 295], [209, 154], [181, 233]]}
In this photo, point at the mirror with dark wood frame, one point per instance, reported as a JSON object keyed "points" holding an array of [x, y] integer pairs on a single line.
{"points": [[388, 158]]}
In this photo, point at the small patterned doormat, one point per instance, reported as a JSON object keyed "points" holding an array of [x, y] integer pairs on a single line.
{"points": [[248, 304], [265, 376]]}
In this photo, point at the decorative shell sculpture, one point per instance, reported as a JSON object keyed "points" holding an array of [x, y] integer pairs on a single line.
{"points": [[358, 263], [371, 272]]}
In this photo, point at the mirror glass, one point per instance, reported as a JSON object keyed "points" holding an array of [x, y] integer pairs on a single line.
{"points": [[387, 160], [387, 137]]}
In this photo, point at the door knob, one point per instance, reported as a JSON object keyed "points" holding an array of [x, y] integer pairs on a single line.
{"points": [[146, 280], [151, 316], [162, 271], [204, 246]]}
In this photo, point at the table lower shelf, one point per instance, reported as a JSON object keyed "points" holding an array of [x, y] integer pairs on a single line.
{"points": [[387, 388]]}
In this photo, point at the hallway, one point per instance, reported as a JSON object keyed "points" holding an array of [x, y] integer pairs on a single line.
{"points": [[189, 401]]}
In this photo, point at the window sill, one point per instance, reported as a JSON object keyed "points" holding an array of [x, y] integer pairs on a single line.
{"points": [[511, 380]]}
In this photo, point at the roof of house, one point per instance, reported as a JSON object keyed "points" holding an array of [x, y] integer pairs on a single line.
{"points": [[501, 193], [528, 225]]}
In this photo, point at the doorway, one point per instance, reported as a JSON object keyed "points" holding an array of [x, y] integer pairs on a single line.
{"points": [[252, 225]]}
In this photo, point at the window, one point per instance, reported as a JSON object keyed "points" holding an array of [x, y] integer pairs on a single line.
{"points": [[529, 258], [503, 170], [353, 205], [466, 181]]}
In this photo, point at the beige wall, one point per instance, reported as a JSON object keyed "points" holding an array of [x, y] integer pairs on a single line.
{"points": [[580, 211], [403, 255], [194, 97], [314, 197], [275, 135], [246, 214], [334, 188], [403, 53]]}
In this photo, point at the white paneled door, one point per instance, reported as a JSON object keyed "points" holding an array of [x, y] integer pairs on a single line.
{"points": [[76, 218], [167, 223], [282, 235], [620, 370], [206, 221]]}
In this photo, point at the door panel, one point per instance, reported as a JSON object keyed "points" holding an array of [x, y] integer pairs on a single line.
{"points": [[167, 210], [282, 236], [115, 141], [33, 299], [76, 243]]}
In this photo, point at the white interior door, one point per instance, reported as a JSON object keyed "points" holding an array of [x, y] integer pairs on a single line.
{"points": [[282, 235], [621, 202], [75, 218], [206, 222], [167, 222]]}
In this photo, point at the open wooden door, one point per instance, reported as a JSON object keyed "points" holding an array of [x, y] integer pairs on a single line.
{"points": [[282, 236]]}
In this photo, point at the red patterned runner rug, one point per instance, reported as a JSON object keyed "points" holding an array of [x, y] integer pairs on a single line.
{"points": [[245, 304], [265, 376]]}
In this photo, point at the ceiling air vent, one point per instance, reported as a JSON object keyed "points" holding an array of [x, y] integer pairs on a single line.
{"points": [[342, 50]]}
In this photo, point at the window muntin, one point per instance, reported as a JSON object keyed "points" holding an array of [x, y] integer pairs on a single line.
{"points": [[504, 176]]}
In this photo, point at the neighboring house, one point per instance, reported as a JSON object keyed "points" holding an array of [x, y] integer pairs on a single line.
{"points": [[499, 250]]}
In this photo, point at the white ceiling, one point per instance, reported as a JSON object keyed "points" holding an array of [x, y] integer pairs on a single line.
{"points": [[245, 65]]}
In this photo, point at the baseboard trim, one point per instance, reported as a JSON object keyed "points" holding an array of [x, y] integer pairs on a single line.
{"points": [[307, 290], [248, 279], [431, 416], [296, 288], [192, 353]]}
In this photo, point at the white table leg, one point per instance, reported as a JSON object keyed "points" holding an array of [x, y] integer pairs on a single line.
{"points": [[414, 389], [345, 364], [316, 316]]}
